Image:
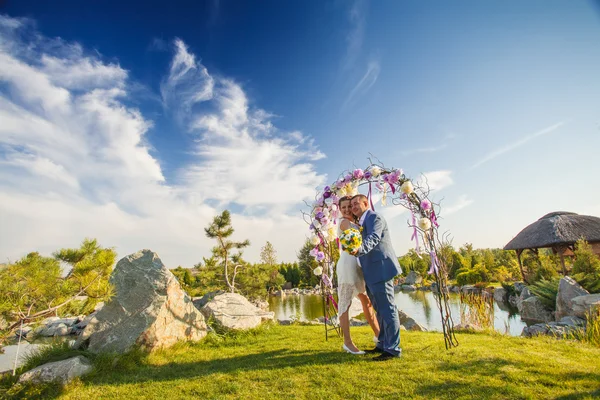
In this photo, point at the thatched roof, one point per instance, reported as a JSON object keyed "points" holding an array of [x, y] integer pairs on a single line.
{"points": [[555, 229]]}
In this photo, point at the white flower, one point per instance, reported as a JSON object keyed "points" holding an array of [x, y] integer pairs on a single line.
{"points": [[318, 271], [425, 223], [316, 224], [334, 207], [326, 212], [407, 187], [329, 201], [375, 171], [315, 240]]}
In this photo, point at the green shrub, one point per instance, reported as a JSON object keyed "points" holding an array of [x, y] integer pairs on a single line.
{"points": [[586, 267], [546, 290]]}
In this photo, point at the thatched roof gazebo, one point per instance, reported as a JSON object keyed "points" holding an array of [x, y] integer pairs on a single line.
{"points": [[558, 231]]}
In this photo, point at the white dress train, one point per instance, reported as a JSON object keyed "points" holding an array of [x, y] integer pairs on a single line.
{"points": [[349, 277]]}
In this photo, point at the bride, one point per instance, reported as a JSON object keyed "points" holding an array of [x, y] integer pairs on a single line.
{"points": [[351, 283]]}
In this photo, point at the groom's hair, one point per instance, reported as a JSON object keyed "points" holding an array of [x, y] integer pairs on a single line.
{"points": [[361, 197]]}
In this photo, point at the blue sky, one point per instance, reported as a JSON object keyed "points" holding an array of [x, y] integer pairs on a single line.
{"points": [[136, 125]]}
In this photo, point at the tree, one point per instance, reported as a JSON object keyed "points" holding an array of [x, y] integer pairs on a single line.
{"points": [[306, 264], [34, 287], [224, 252], [268, 255]]}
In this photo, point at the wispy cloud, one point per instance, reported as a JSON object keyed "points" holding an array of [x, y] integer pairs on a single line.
{"points": [[431, 149], [355, 36], [366, 82], [75, 159], [436, 180], [505, 149], [462, 202]]}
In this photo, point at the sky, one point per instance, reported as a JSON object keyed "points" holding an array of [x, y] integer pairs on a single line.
{"points": [[136, 125]]}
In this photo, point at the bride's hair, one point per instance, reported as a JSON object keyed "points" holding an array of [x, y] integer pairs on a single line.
{"points": [[345, 198]]}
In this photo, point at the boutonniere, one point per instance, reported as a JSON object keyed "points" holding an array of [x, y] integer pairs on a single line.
{"points": [[361, 229]]}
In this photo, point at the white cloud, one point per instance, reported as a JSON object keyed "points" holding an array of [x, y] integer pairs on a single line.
{"points": [[365, 83], [356, 33], [462, 202], [75, 160], [498, 152], [435, 180]]}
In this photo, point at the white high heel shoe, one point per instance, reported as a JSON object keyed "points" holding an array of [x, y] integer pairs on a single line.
{"points": [[347, 350]]}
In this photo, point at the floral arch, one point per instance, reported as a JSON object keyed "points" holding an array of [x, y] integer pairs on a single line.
{"points": [[397, 189]]}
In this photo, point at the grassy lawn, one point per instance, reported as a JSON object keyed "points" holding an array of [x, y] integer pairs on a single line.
{"points": [[296, 362]]}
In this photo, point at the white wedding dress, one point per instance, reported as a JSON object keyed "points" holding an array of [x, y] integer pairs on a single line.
{"points": [[349, 277]]}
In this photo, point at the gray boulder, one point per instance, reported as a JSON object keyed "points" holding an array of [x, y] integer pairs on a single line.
{"points": [[149, 309], [60, 371], [200, 302], [533, 310], [525, 294], [409, 323], [582, 305], [535, 330], [519, 286], [500, 295], [413, 278], [285, 322], [408, 288], [568, 289], [234, 311], [572, 321], [358, 322]]}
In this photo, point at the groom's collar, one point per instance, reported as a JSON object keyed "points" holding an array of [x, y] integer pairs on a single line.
{"points": [[362, 217]]}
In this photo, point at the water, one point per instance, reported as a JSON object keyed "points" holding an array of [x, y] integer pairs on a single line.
{"points": [[419, 305], [7, 359]]}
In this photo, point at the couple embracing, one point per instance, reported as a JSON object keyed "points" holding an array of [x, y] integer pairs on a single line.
{"points": [[371, 270]]}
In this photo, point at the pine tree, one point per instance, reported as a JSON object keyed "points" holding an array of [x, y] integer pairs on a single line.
{"points": [[268, 255]]}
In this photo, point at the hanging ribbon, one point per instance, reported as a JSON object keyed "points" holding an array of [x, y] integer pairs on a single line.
{"points": [[415, 235], [434, 218], [333, 302], [371, 197], [326, 280], [434, 263]]}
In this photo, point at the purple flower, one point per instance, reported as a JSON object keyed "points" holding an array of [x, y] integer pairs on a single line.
{"points": [[340, 184], [335, 199], [311, 227], [327, 189], [358, 174], [314, 252], [319, 215], [426, 204], [326, 195], [348, 178], [368, 175], [324, 221], [320, 256]]}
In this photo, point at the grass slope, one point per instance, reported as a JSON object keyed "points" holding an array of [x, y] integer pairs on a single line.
{"points": [[296, 362]]}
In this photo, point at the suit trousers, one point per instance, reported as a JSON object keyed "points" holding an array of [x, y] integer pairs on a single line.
{"points": [[382, 298]]}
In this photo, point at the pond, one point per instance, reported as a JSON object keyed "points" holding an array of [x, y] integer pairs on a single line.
{"points": [[419, 305], [7, 358]]}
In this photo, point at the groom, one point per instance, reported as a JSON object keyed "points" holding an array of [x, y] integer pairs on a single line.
{"points": [[379, 265]]}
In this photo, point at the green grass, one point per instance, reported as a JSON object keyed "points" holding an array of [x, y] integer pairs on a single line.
{"points": [[296, 362]]}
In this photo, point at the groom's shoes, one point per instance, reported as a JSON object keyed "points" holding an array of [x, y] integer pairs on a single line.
{"points": [[376, 350], [385, 356]]}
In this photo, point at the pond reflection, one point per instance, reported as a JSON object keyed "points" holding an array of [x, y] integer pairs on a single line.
{"points": [[419, 305]]}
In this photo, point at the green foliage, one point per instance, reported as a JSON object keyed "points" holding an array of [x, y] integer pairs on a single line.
{"points": [[470, 276], [306, 265], [586, 267], [291, 273], [258, 279], [227, 254], [34, 287], [268, 255], [591, 332], [510, 289], [546, 290]]}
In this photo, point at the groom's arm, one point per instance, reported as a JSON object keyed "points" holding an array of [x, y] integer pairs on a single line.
{"points": [[376, 227]]}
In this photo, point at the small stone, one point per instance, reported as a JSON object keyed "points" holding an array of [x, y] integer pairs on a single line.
{"points": [[62, 371]]}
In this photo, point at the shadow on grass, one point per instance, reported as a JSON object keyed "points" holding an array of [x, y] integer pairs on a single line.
{"points": [[270, 360]]}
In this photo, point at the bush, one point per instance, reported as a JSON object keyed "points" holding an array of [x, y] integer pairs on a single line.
{"points": [[586, 267], [476, 274], [546, 290]]}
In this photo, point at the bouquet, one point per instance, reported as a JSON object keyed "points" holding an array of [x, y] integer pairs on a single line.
{"points": [[351, 240]]}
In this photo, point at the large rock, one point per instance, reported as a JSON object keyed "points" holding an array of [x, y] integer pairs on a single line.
{"points": [[413, 278], [582, 305], [409, 323], [234, 311], [60, 371], [500, 295], [568, 289], [149, 309], [200, 302], [408, 288], [533, 310], [525, 294]]}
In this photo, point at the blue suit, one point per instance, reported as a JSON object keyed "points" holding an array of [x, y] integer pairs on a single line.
{"points": [[380, 265]]}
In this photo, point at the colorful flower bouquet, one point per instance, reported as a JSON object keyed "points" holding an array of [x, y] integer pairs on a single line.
{"points": [[351, 240]]}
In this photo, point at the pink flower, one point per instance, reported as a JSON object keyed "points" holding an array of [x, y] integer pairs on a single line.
{"points": [[426, 204], [340, 184], [314, 252], [358, 174], [320, 256]]}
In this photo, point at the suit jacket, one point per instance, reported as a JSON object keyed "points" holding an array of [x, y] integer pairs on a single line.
{"points": [[376, 254]]}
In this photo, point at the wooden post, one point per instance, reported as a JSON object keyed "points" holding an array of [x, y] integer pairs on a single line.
{"points": [[519, 251]]}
